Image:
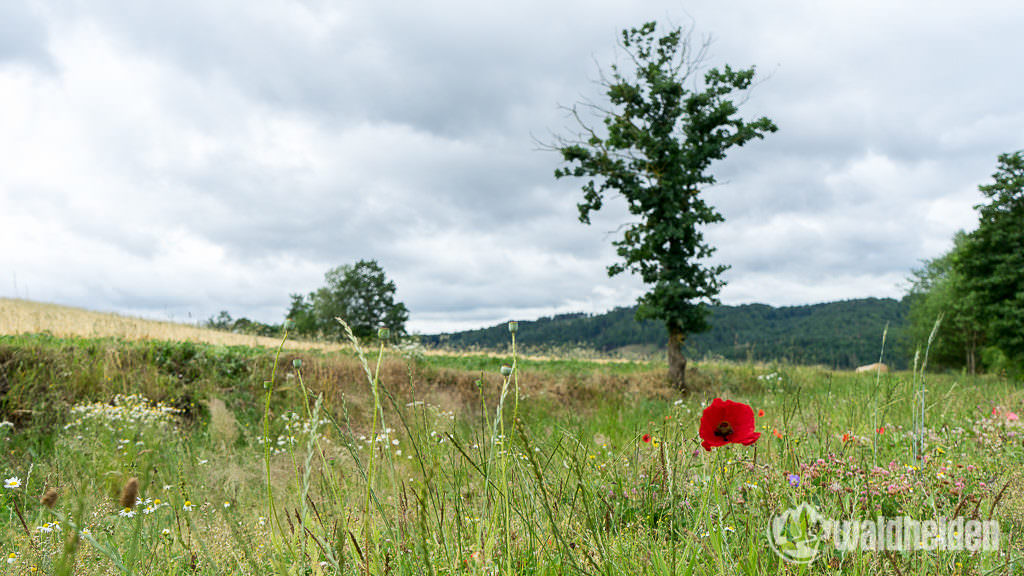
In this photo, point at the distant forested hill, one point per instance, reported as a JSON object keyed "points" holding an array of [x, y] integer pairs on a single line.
{"points": [[836, 334]]}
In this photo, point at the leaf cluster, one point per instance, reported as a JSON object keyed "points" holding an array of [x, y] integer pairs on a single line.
{"points": [[360, 293]]}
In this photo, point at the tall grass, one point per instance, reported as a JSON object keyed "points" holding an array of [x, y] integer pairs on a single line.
{"points": [[377, 476]]}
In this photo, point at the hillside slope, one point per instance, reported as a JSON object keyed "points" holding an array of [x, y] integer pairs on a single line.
{"points": [[28, 317], [836, 334]]}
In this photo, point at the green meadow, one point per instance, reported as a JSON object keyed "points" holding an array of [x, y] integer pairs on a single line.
{"points": [[163, 457]]}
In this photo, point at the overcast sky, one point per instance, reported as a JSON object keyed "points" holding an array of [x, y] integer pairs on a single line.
{"points": [[174, 159]]}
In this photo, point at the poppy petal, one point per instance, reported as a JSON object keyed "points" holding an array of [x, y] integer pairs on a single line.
{"points": [[724, 422]]}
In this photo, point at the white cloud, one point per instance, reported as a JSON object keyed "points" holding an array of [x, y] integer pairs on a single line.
{"points": [[179, 159]]}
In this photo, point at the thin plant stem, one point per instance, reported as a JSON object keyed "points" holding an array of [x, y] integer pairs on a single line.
{"points": [[269, 385], [919, 412], [878, 383]]}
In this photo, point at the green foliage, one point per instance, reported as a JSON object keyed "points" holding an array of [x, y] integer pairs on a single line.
{"points": [[360, 294], [300, 314], [224, 321], [992, 260], [837, 334], [843, 334], [611, 482], [661, 139], [41, 376], [978, 286], [938, 290]]}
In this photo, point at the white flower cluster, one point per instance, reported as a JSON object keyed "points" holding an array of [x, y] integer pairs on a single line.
{"points": [[295, 428], [296, 425], [132, 409], [150, 505], [49, 528]]}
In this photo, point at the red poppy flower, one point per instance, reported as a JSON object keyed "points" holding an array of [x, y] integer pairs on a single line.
{"points": [[726, 422], [777, 433], [881, 430], [760, 413], [647, 438]]}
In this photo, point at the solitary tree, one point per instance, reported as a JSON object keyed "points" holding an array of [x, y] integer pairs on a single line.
{"points": [[360, 294], [661, 134], [222, 321]]}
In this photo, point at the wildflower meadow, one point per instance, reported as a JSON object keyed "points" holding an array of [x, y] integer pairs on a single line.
{"points": [[176, 458]]}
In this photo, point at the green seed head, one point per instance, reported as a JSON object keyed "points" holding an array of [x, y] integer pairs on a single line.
{"points": [[513, 326], [506, 370], [297, 363], [383, 333]]}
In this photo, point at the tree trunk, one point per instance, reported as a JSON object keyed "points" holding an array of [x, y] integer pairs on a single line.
{"points": [[972, 345], [676, 360]]}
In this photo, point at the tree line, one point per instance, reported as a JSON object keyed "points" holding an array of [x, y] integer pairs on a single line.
{"points": [[972, 296], [839, 335]]}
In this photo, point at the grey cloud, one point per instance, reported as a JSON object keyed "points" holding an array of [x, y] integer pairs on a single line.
{"points": [[226, 154], [411, 64]]}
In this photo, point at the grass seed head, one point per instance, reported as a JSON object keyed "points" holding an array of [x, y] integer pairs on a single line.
{"points": [[130, 493], [49, 498]]}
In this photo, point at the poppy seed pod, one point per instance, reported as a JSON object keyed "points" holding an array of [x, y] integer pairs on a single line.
{"points": [[513, 326], [383, 333], [297, 363], [506, 370]]}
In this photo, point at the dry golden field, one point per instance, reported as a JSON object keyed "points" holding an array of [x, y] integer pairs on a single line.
{"points": [[24, 316], [29, 317]]}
